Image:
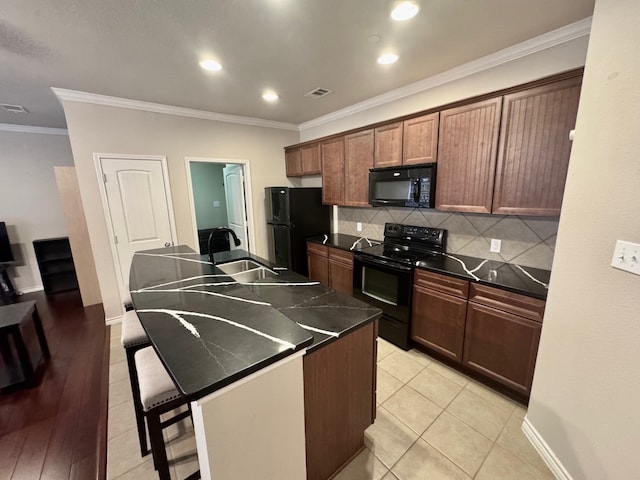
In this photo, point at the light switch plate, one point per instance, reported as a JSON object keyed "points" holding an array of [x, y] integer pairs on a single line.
{"points": [[359, 226], [496, 244], [216, 203], [626, 256]]}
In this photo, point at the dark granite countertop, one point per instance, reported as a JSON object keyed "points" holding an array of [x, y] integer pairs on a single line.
{"points": [[507, 276], [209, 330], [342, 241], [529, 281]]}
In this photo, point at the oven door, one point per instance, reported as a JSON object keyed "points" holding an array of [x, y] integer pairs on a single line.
{"points": [[387, 286]]}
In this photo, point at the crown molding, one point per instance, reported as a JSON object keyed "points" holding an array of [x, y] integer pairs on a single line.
{"points": [[559, 36], [9, 127], [96, 99]]}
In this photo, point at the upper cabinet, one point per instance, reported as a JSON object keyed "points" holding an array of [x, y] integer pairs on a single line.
{"points": [[533, 156], [332, 157], [468, 142], [303, 160], [388, 149], [420, 139], [358, 159], [293, 162]]}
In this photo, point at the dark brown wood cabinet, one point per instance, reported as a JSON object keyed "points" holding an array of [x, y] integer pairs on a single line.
{"points": [[420, 139], [438, 313], [310, 159], [330, 266], [293, 162], [534, 151], [339, 400], [467, 147], [317, 264], [332, 157], [358, 159], [388, 145], [502, 334]]}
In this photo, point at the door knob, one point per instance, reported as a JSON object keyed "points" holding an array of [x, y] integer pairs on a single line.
{"points": [[167, 244]]}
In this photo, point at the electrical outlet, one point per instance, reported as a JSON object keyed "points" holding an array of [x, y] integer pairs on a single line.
{"points": [[626, 256], [216, 203], [359, 226], [496, 244]]}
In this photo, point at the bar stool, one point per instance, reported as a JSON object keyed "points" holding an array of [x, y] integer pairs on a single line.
{"points": [[158, 395], [134, 338]]}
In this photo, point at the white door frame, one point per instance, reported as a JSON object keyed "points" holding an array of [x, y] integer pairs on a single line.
{"points": [[247, 192], [97, 157]]}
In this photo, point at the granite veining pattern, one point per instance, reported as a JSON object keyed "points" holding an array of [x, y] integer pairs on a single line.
{"points": [[211, 329]]}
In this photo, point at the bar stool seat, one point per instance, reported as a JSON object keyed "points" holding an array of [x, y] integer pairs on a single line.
{"points": [[133, 338], [158, 395]]}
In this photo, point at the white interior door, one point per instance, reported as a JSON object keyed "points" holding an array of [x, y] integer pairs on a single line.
{"points": [[236, 211], [138, 208]]}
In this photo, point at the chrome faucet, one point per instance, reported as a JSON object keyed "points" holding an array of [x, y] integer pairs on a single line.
{"points": [[236, 240]]}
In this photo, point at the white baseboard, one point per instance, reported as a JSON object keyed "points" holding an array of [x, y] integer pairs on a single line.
{"points": [[545, 451], [113, 320], [36, 288]]}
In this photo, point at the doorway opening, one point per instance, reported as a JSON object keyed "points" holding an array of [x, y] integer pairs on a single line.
{"points": [[220, 196]]}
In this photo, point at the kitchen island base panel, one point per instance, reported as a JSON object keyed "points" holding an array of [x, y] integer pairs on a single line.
{"points": [[254, 428]]}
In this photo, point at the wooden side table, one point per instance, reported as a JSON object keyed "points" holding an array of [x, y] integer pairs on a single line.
{"points": [[12, 318]]}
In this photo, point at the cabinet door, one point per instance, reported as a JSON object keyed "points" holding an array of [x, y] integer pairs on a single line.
{"points": [[420, 141], [437, 321], [358, 153], [467, 147], [501, 346], [318, 268], [332, 157], [341, 270], [310, 159], [293, 163], [534, 151], [388, 149]]}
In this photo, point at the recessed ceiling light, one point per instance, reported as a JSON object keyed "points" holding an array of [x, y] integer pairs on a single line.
{"points": [[404, 11], [387, 58], [270, 96], [210, 65]]}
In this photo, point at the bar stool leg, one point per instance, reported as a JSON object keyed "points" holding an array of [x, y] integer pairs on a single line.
{"points": [[158, 447], [137, 405]]}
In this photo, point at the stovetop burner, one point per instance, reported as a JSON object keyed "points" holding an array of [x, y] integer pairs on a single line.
{"points": [[407, 244]]}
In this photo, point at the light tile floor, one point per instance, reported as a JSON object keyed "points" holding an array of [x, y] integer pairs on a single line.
{"points": [[432, 423]]}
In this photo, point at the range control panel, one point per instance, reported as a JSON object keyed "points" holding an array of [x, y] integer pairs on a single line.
{"points": [[420, 235]]}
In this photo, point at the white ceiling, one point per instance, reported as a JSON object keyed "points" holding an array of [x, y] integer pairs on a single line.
{"points": [[149, 50]]}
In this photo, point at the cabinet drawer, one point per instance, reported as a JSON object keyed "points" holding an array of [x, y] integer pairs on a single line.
{"points": [[527, 307], [341, 256], [317, 249], [442, 283]]}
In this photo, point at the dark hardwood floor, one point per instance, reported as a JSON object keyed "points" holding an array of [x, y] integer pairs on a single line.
{"points": [[58, 429]]}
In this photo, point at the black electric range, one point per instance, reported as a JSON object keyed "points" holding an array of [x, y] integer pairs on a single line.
{"points": [[383, 275]]}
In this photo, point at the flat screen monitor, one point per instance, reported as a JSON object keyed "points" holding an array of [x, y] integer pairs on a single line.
{"points": [[6, 256]]}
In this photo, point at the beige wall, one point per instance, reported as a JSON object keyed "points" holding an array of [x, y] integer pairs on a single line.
{"points": [[29, 201], [102, 129], [586, 390], [556, 59]]}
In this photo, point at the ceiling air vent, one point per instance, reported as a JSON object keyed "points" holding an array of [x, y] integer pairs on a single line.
{"points": [[318, 93], [14, 108]]}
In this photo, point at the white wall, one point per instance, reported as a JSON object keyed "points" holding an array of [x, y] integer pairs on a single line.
{"points": [[586, 389], [103, 129], [556, 59], [29, 201]]}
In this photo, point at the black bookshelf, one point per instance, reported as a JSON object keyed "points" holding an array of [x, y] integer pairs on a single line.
{"points": [[56, 266]]}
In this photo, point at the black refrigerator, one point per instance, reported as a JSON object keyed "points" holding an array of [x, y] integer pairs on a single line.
{"points": [[293, 214]]}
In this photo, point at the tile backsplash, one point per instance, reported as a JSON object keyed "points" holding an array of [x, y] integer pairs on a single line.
{"points": [[527, 241]]}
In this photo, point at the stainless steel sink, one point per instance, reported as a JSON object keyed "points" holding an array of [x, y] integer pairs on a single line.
{"points": [[238, 266], [254, 275]]}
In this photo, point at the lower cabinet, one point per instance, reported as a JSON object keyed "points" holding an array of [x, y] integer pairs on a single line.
{"points": [[339, 400], [491, 331], [331, 266]]}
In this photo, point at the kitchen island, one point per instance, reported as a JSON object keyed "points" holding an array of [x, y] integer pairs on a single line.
{"points": [[280, 370]]}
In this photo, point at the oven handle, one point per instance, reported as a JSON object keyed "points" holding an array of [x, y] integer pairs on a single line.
{"points": [[377, 261]]}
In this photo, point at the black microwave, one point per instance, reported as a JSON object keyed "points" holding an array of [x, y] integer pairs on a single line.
{"points": [[413, 186]]}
